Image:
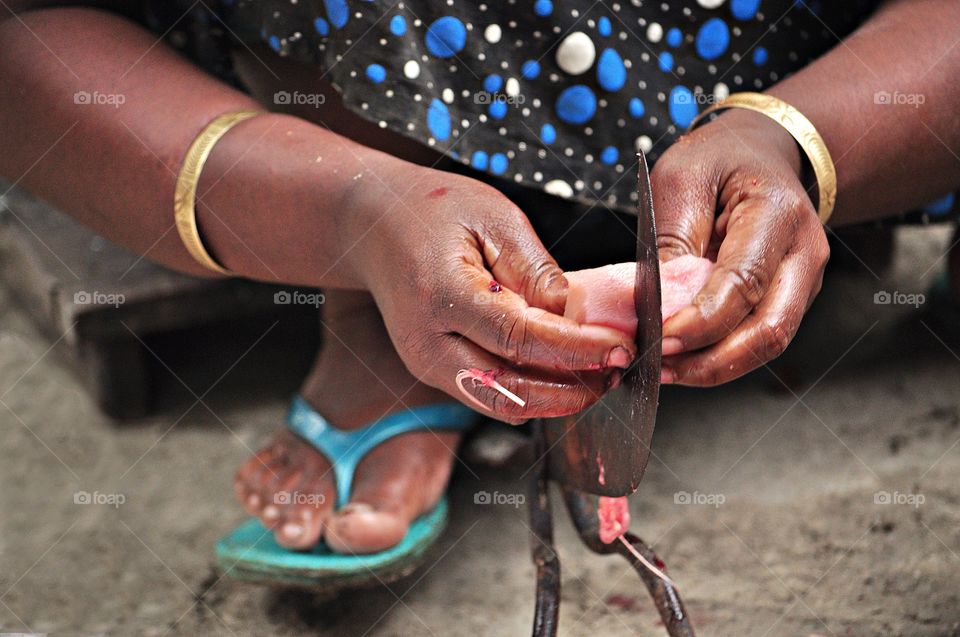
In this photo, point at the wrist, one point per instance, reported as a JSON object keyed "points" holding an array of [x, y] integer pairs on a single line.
{"points": [[271, 201], [377, 205], [763, 132]]}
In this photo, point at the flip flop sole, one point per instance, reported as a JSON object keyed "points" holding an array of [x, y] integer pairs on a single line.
{"points": [[251, 553]]}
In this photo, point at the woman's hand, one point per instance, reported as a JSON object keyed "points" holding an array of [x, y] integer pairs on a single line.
{"points": [[463, 282], [731, 191]]}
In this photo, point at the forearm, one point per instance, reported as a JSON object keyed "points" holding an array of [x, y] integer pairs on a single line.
{"points": [[273, 191], [889, 157]]}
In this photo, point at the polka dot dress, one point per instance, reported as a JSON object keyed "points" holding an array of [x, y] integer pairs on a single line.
{"points": [[550, 94]]}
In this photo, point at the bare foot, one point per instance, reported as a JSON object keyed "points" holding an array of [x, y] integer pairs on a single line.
{"points": [[356, 379]]}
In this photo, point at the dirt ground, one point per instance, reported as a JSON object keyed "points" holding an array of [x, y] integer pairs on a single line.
{"points": [[816, 497]]}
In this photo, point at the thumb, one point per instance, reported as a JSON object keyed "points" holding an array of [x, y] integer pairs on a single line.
{"points": [[685, 204], [519, 261]]}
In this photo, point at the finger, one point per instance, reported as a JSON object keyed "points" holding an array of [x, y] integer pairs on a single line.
{"points": [[501, 322], [520, 262], [758, 234], [763, 336], [543, 394], [685, 201]]}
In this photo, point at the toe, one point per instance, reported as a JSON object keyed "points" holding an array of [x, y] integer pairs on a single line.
{"points": [[279, 496], [249, 480], [397, 482], [304, 519]]}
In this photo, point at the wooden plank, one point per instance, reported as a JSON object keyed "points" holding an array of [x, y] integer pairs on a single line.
{"points": [[96, 298]]}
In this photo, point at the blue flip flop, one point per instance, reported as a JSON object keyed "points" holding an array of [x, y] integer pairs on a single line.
{"points": [[251, 553]]}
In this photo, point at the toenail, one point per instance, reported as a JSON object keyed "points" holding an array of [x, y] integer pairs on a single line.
{"points": [[271, 512], [356, 507], [253, 500], [292, 531]]}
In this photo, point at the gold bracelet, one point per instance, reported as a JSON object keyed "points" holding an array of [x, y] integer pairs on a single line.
{"points": [[802, 130], [185, 195]]}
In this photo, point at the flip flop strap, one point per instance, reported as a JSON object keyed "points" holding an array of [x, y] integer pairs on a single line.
{"points": [[345, 449]]}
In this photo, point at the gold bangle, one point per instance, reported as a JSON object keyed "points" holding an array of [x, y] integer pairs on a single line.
{"points": [[185, 195], [802, 130]]}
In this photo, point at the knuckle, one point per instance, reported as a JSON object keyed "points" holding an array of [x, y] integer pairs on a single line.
{"points": [[674, 237], [699, 375], [795, 206], [583, 397], [749, 281], [544, 275], [774, 339], [514, 337], [417, 350], [505, 408], [822, 251]]}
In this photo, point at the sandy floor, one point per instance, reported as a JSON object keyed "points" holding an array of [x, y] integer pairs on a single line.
{"points": [[796, 542]]}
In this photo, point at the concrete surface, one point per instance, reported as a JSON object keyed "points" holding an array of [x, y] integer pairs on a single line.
{"points": [[823, 491]]}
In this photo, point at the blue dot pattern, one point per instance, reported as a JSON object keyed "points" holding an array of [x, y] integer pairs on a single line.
{"points": [[611, 72], [543, 8], [713, 38], [376, 73], [548, 134], [530, 70], [483, 82], [446, 37], [398, 25], [576, 105]]}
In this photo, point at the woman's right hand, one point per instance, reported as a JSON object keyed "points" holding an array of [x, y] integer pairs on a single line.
{"points": [[463, 282]]}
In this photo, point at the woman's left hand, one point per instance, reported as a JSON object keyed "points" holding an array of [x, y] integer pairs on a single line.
{"points": [[731, 191]]}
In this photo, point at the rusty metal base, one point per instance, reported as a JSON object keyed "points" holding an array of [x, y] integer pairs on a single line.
{"points": [[583, 513]]}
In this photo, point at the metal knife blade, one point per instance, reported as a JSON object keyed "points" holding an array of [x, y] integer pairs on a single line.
{"points": [[605, 449]]}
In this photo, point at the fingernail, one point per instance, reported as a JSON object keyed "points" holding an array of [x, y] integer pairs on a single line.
{"points": [[271, 512], [292, 531], [614, 381], [618, 357], [671, 345], [667, 376], [253, 501]]}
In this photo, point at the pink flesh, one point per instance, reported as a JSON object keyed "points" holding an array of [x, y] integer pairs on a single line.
{"points": [[614, 518], [604, 296]]}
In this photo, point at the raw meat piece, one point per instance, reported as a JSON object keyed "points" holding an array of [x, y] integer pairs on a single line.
{"points": [[614, 517], [604, 296]]}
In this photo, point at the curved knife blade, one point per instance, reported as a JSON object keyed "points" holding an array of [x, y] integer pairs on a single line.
{"points": [[605, 449]]}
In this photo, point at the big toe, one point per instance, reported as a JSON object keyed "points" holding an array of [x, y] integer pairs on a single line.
{"points": [[361, 527], [400, 480]]}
